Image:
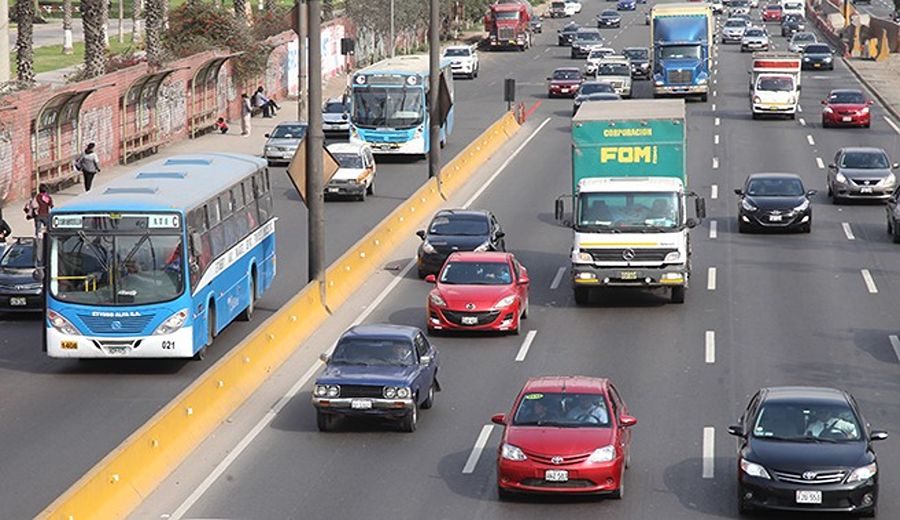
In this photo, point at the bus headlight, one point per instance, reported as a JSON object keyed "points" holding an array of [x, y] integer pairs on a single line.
{"points": [[172, 324], [61, 324]]}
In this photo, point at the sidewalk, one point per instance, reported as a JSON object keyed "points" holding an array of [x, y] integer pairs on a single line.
{"points": [[232, 142], [882, 78]]}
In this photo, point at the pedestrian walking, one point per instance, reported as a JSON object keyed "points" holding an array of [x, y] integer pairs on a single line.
{"points": [[38, 209], [268, 106], [5, 231], [88, 163], [246, 112]]}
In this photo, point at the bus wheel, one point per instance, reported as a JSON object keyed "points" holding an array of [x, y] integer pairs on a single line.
{"points": [[201, 354], [247, 313]]}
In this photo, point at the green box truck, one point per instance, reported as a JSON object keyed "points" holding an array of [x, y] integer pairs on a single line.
{"points": [[629, 196]]}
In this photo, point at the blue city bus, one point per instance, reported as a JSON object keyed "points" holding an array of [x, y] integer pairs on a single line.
{"points": [[389, 105], [116, 280]]}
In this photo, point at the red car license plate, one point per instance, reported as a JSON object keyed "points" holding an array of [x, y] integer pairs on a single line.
{"points": [[556, 475], [846, 119]]}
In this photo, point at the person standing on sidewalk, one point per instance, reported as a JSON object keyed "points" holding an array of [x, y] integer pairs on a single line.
{"points": [[5, 231], [88, 163], [38, 209], [246, 112]]}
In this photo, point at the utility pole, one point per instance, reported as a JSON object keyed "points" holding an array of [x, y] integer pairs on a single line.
{"points": [[303, 65], [315, 140], [434, 86], [4, 41], [393, 37]]}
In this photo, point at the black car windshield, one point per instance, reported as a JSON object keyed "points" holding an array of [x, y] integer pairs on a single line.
{"points": [[865, 160], [572, 28], [614, 69], [564, 410], [776, 84], [609, 13], [754, 33], [459, 226], [817, 49], [566, 74], [807, 422], [595, 88], [623, 211], [334, 107], [458, 52], [289, 132], [680, 52], [775, 187], [588, 37], [476, 273], [398, 107], [348, 160], [848, 98], [18, 256], [636, 54], [373, 351]]}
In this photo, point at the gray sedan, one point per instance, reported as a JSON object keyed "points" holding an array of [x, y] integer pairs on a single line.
{"points": [[283, 142], [862, 174]]}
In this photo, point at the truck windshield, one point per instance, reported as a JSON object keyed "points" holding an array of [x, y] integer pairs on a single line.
{"points": [[507, 15], [399, 108], [680, 52], [618, 212], [614, 69], [775, 84]]}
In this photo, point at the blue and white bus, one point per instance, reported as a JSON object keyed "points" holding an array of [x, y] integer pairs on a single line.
{"points": [[389, 105], [117, 281]]}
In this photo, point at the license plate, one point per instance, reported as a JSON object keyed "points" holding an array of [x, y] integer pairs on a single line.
{"points": [[469, 320], [118, 351], [865, 190], [17, 301], [564, 90], [775, 218], [808, 497], [361, 404], [628, 275], [333, 190], [817, 65], [385, 147], [556, 475], [846, 119]]}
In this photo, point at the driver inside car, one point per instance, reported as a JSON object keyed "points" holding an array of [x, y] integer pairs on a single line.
{"points": [[589, 410]]}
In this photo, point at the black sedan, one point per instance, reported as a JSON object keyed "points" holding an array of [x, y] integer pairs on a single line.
{"points": [[818, 56], [806, 449], [609, 18], [455, 230], [536, 24], [776, 201], [567, 34], [792, 23], [19, 291], [640, 61]]}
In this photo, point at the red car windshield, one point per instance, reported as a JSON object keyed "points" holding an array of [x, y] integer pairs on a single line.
{"points": [[566, 75], [564, 410], [476, 273]]}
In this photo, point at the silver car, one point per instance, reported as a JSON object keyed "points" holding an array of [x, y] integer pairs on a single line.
{"points": [[336, 116], [282, 143], [800, 40], [861, 173], [755, 39], [733, 31]]}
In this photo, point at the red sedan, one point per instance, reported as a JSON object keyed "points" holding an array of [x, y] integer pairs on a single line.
{"points": [[564, 82], [478, 291], [846, 107], [773, 13], [566, 434]]}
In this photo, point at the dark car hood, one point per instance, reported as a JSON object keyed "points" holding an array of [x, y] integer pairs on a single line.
{"points": [[456, 242], [336, 373], [770, 203], [817, 56], [797, 457], [873, 173], [12, 276]]}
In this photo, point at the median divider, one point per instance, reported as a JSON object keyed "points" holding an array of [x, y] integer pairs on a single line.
{"points": [[127, 475]]}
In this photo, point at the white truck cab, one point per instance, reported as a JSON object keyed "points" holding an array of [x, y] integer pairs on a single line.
{"points": [[775, 84]]}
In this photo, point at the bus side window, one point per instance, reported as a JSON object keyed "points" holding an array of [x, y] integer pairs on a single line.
{"points": [[252, 210], [241, 223], [263, 198]]}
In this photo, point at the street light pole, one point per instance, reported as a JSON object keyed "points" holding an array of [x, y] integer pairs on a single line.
{"points": [[434, 86], [315, 140], [303, 65]]}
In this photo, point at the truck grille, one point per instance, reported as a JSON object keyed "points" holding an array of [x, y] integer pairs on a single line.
{"points": [[682, 76], [362, 391], [819, 477], [505, 33], [122, 325], [483, 317], [640, 255]]}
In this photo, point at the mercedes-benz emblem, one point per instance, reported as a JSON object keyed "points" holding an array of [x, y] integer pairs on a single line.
{"points": [[628, 255], [557, 460], [470, 306], [809, 475], [116, 325]]}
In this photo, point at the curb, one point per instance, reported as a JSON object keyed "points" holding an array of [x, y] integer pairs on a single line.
{"points": [[884, 103]]}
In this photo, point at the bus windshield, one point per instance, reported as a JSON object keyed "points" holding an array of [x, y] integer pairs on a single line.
{"points": [[380, 107], [110, 269]]}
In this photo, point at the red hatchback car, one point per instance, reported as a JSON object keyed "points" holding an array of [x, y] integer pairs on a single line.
{"points": [[565, 434], [773, 13], [846, 107], [478, 291], [564, 82]]}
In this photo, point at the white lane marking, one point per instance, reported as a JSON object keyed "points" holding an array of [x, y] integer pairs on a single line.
{"points": [[503, 166], [554, 285], [799, 108], [717, 121], [847, 231], [820, 163], [810, 140], [547, 49], [711, 279], [709, 452], [716, 139], [895, 342], [715, 81], [713, 107], [523, 350], [893, 124], [270, 415], [713, 229], [480, 442], [714, 192], [536, 58], [714, 93], [715, 163], [870, 282], [802, 122], [710, 354]]}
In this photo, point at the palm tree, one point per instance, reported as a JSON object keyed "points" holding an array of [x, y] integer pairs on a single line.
{"points": [[153, 16], [92, 19], [67, 27], [136, 15], [25, 41]]}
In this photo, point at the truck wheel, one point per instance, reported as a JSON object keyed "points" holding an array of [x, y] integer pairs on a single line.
{"points": [[582, 295], [704, 97], [324, 421], [678, 294], [755, 116]]}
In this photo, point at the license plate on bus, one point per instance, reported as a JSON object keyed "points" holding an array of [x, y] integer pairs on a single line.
{"points": [[556, 475], [361, 404], [805, 496], [117, 351], [469, 320], [17, 301], [628, 275]]}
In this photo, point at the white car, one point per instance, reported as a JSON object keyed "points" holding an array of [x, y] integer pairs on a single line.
{"points": [[616, 71], [733, 31], [716, 6], [594, 56], [463, 60], [336, 116], [755, 39], [800, 40], [793, 8], [573, 7], [356, 172]]}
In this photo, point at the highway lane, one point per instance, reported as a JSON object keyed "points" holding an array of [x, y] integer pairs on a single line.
{"points": [[60, 417]]}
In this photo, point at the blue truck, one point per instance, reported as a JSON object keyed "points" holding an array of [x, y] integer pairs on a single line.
{"points": [[682, 36]]}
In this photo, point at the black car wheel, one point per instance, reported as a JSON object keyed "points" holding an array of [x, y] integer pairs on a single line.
{"points": [[895, 233], [806, 228], [324, 422], [743, 227], [409, 421], [582, 295], [503, 494], [429, 401], [678, 294]]}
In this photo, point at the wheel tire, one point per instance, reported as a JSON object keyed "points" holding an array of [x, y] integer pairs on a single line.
{"points": [[678, 294], [201, 354], [806, 228], [825, 123], [704, 97], [582, 295], [247, 314], [755, 116], [830, 191], [525, 309], [503, 494], [793, 116], [409, 422], [371, 189], [619, 493], [362, 196], [429, 401], [743, 228], [324, 422], [896, 235], [422, 274]]}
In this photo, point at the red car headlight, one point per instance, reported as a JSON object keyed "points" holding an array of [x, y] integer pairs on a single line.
{"points": [[437, 300]]}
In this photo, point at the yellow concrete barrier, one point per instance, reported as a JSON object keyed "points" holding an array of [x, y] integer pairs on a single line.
{"points": [[127, 475]]}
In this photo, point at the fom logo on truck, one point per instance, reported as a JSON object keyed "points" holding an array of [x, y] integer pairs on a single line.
{"points": [[629, 154]]}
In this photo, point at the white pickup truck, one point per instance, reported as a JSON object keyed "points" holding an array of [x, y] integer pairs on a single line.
{"points": [[775, 84]]}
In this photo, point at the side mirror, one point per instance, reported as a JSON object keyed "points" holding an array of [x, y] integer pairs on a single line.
{"points": [[824, 101], [425, 360], [811, 193], [738, 191], [324, 357], [691, 223], [878, 435], [500, 234], [266, 136], [870, 103], [421, 234], [549, 78], [524, 280], [499, 419], [895, 165], [700, 208], [627, 421], [833, 166], [38, 274], [736, 430], [431, 278], [558, 209]]}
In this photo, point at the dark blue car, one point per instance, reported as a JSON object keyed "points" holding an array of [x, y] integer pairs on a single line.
{"points": [[379, 371], [626, 5]]}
